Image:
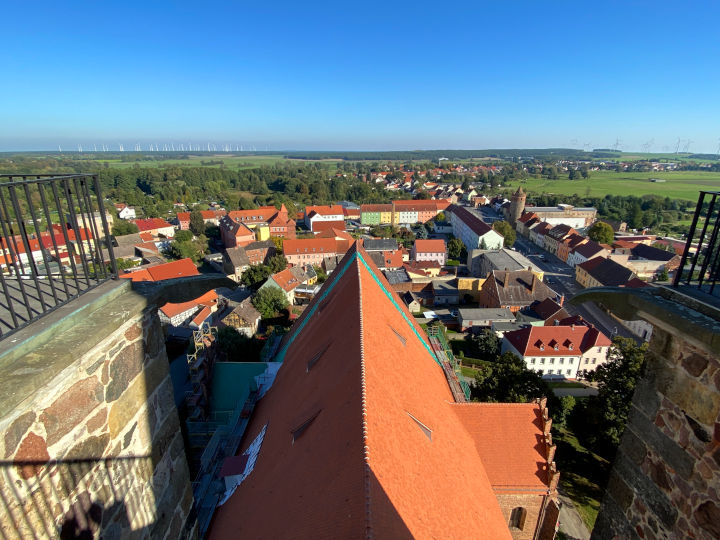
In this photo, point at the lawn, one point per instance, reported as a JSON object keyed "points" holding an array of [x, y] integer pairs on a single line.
{"points": [[583, 474], [677, 185]]}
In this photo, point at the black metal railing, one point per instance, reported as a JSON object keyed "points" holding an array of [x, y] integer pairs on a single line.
{"points": [[700, 262], [54, 244]]}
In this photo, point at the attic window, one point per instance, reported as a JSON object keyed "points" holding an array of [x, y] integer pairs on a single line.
{"points": [[298, 431], [399, 336], [426, 430], [315, 358]]}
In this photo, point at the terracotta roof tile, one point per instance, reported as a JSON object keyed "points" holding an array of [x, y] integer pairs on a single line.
{"points": [[175, 269], [430, 246]]}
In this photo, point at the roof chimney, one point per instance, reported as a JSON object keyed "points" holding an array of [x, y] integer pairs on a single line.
{"points": [[532, 284], [562, 300]]}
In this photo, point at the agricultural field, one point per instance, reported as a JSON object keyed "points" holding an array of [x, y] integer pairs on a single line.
{"points": [[228, 160], [678, 184]]}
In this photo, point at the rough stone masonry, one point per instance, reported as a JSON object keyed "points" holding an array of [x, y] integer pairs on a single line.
{"points": [[94, 444]]}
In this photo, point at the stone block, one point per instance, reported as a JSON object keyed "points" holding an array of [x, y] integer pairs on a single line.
{"points": [[651, 495], [620, 491], [646, 397], [97, 421], [31, 454], [154, 340], [694, 363], [697, 400], [91, 449], [164, 437], [611, 522], [71, 408], [673, 454], [707, 516], [14, 433], [123, 369], [134, 332]]}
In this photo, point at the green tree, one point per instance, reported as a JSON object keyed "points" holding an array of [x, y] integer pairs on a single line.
{"points": [[663, 275], [277, 263], [269, 301], [606, 414], [255, 275], [466, 185], [486, 345], [122, 228], [562, 413], [440, 217], [506, 230], [321, 274], [601, 232], [507, 380], [194, 249], [197, 224], [455, 248], [183, 236]]}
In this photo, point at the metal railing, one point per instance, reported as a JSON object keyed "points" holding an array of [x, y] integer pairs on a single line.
{"points": [[54, 244], [701, 268]]}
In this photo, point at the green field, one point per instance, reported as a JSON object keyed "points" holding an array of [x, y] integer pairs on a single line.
{"points": [[677, 185], [229, 161]]}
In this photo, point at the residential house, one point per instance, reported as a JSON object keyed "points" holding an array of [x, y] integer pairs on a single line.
{"points": [[235, 233], [160, 272], [260, 252], [180, 314], [445, 292], [474, 232], [422, 269], [287, 281], [556, 235], [602, 272], [429, 250], [312, 251], [412, 301], [524, 222], [566, 352], [585, 252], [647, 261], [538, 232], [93, 222], [376, 214], [211, 217], [568, 244], [380, 244], [474, 319], [235, 261], [277, 221], [333, 213], [387, 260], [124, 211], [546, 312], [243, 317], [155, 226], [513, 290]]}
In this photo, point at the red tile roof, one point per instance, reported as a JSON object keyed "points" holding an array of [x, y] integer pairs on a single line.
{"points": [[175, 269], [320, 226], [569, 340], [366, 465], [340, 233], [170, 309], [376, 208], [331, 210], [150, 224], [430, 246], [314, 245]]}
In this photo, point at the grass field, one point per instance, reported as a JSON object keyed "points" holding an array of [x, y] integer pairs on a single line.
{"points": [[229, 161], [677, 185]]}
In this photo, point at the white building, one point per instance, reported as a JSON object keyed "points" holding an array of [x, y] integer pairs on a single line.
{"points": [[472, 231], [566, 352]]}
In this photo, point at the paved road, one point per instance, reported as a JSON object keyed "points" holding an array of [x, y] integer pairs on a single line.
{"points": [[570, 521]]}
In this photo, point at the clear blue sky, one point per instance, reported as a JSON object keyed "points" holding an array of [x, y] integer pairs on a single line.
{"points": [[361, 75]]}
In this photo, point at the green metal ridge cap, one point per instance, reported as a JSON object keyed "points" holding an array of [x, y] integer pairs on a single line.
{"points": [[670, 309]]}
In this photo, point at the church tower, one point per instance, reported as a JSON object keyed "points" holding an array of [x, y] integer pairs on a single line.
{"points": [[517, 206]]}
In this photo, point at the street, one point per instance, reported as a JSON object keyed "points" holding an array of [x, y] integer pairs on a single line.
{"points": [[560, 278]]}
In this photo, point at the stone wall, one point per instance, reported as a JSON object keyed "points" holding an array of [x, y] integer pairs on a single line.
{"points": [[96, 447], [665, 482]]}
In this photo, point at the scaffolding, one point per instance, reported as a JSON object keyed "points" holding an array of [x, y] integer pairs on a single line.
{"points": [[453, 372]]}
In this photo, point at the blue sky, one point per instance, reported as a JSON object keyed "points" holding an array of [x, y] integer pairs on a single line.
{"points": [[364, 75]]}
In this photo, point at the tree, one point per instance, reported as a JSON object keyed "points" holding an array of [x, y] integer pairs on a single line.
{"points": [[605, 415], [122, 228], [663, 275], [507, 380], [278, 242], [269, 301], [562, 413], [486, 345], [601, 233], [255, 275], [277, 263], [455, 247], [183, 236], [440, 217], [194, 248], [321, 274], [506, 230], [465, 185], [197, 224]]}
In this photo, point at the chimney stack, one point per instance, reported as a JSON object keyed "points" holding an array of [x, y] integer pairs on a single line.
{"points": [[562, 300], [532, 284]]}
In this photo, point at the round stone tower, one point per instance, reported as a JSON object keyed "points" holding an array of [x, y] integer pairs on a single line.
{"points": [[517, 206]]}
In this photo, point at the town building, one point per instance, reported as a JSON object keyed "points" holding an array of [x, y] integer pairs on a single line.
{"points": [[155, 226], [445, 292], [170, 270], [312, 251], [242, 316], [179, 314], [475, 319], [647, 262], [376, 214], [235, 233], [380, 244], [333, 215], [260, 252], [566, 352], [124, 211], [585, 252], [602, 272], [287, 281], [517, 206], [547, 312], [482, 262], [555, 236], [210, 217], [277, 221], [472, 231], [562, 214], [513, 290], [429, 250], [234, 263], [390, 473], [568, 244], [538, 232]]}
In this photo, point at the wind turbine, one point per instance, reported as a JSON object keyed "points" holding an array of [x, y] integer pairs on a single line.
{"points": [[677, 145], [686, 148]]}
